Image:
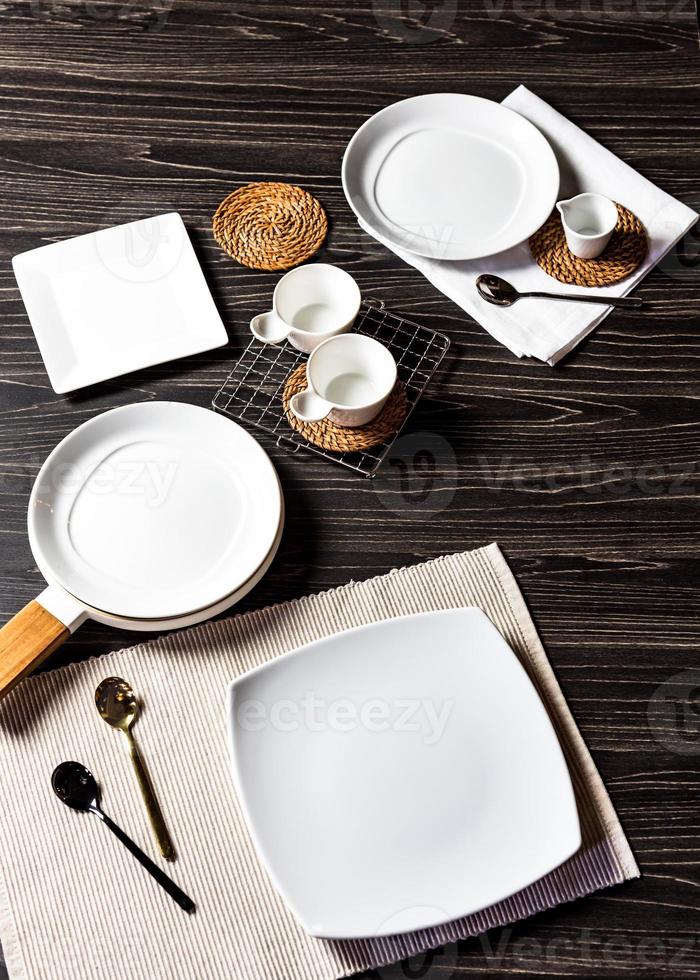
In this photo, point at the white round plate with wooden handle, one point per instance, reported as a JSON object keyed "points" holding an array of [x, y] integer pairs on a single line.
{"points": [[151, 516]]}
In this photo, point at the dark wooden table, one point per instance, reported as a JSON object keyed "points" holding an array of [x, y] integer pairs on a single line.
{"points": [[586, 474]]}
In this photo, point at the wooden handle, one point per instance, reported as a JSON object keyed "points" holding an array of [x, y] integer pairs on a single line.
{"points": [[26, 641]]}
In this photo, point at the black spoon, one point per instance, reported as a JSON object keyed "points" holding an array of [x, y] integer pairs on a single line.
{"points": [[501, 293], [75, 786]]}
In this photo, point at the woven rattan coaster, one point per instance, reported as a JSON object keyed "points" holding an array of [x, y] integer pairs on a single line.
{"points": [[338, 438], [624, 253], [270, 226]]}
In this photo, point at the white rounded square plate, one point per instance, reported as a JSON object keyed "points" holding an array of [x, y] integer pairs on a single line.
{"points": [[450, 176], [117, 300], [400, 775]]}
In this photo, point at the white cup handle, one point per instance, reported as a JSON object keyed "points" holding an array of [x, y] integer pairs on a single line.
{"points": [[268, 328], [309, 407]]}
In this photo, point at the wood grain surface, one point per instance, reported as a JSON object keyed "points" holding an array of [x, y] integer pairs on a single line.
{"points": [[588, 475]]}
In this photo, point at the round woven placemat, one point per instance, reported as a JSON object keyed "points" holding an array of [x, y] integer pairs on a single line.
{"points": [[270, 226], [624, 252], [339, 438]]}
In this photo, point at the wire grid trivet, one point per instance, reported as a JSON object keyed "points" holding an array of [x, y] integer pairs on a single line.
{"points": [[253, 390]]}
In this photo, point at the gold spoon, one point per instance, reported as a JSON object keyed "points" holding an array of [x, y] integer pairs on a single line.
{"points": [[118, 706]]}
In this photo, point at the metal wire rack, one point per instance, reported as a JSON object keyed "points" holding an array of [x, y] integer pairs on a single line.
{"points": [[252, 393]]}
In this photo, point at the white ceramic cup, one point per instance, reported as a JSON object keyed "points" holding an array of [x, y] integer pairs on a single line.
{"points": [[589, 221], [349, 380], [310, 304]]}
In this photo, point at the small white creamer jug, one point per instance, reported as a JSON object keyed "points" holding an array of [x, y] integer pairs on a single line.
{"points": [[589, 221]]}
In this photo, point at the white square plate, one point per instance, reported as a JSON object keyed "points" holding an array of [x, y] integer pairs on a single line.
{"points": [[117, 300], [400, 775]]}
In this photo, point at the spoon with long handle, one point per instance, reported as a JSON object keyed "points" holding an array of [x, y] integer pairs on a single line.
{"points": [[118, 705], [75, 786], [501, 293]]}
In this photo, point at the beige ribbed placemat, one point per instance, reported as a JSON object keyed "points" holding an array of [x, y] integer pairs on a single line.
{"points": [[75, 906]]}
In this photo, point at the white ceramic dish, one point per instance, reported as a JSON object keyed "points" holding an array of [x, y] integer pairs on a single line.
{"points": [[400, 775], [117, 300], [349, 381], [153, 510], [588, 221], [151, 516], [450, 176], [310, 304]]}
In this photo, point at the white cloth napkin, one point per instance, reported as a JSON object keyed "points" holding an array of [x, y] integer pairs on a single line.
{"points": [[544, 328]]}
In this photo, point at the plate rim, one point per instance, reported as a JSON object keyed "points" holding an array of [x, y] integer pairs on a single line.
{"points": [[320, 931], [466, 256], [61, 382]]}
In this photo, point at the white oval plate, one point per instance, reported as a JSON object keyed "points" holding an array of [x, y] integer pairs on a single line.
{"points": [[154, 510], [400, 775], [450, 176]]}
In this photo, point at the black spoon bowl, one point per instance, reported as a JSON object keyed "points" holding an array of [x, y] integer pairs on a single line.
{"points": [[76, 786], [500, 292]]}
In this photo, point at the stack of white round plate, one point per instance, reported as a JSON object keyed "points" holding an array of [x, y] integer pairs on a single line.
{"points": [[155, 515]]}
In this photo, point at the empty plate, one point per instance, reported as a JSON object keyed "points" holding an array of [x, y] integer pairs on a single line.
{"points": [[117, 300], [450, 176], [155, 510], [400, 775]]}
